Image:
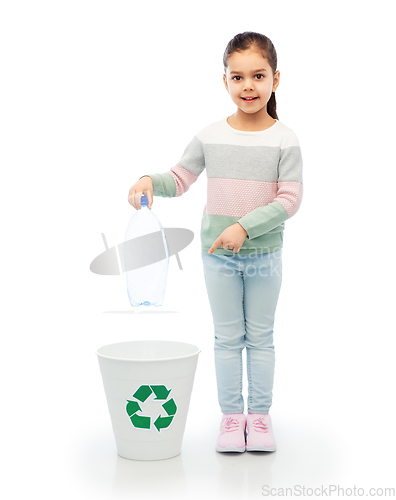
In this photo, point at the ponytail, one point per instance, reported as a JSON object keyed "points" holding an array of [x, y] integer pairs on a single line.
{"points": [[271, 107]]}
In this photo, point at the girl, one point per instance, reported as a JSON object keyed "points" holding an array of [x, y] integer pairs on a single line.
{"points": [[254, 169]]}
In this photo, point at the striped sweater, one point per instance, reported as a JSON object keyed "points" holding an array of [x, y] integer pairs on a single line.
{"points": [[254, 178]]}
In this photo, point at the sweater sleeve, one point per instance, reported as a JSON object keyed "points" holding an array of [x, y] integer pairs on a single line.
{"points": [[289, 192], [178, 179]]}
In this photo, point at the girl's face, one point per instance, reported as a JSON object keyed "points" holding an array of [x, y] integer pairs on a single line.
{"points": [[249, 81]]}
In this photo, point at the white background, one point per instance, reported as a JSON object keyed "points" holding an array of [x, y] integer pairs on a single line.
{"points": [[94, 94]]}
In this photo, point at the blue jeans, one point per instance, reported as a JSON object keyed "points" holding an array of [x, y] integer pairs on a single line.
{"points": [[243, 292]]}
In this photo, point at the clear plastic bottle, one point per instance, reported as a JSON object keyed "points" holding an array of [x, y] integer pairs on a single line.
{"points": [[146, 285]]}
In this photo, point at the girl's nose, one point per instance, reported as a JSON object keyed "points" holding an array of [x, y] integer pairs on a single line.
{"points": [[248, 85]]}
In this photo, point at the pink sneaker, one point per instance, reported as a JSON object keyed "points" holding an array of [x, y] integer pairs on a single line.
{"points": [[232, 433], [260, 434]]}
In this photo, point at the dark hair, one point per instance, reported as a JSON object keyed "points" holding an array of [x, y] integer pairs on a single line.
{"points": [[252, 40]]}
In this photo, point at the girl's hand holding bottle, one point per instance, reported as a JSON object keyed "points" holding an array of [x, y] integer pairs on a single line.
{"points": [[143, 186]]}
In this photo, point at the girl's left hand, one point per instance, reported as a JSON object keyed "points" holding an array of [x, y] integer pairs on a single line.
{"points": [[231, 238]]}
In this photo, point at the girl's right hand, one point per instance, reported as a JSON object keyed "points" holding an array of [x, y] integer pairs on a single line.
{"points": [[143, 186]]}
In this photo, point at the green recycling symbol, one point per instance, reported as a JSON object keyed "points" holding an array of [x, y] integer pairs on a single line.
{"points": [[142, 394]]}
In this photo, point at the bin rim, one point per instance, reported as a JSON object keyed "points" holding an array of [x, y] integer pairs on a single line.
{"points": [[148, 360]]}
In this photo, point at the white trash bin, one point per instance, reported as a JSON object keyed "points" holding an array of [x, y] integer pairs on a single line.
{"points": [[148, 386]]}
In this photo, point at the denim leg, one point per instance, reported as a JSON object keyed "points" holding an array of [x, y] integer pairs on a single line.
{"points": [[225, 288], [263, 277]]}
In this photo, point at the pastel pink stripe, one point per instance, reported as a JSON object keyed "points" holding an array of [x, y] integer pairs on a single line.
{"points": [[183, 179], [290, 195], [238, 197]]}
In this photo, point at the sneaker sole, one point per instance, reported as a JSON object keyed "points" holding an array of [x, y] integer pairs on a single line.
{"points": [[230, 448], [260, 447]]}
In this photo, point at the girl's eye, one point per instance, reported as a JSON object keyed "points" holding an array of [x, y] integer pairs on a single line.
{"points": [[237, 78]]}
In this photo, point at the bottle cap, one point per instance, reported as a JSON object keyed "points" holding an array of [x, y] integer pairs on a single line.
{"points": [[144, 201]]}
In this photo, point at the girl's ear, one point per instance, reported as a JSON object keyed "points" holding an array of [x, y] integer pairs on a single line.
{"points": [[225, 83], [276, 81]]}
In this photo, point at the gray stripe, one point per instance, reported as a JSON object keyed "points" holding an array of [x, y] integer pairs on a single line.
{"points": [[193, 157], [290, 165], [258, 163]]}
